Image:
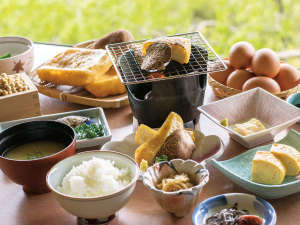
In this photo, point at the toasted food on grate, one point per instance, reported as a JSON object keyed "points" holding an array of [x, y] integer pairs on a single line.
{"points": [[180, 47], [106, 84], [157, 56], [75, 66]]}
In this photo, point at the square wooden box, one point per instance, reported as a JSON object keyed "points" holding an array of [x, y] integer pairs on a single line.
{"points": [[20, 105]]}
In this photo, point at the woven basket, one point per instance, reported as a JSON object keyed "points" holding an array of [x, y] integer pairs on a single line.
{"points": [[222, 91]]}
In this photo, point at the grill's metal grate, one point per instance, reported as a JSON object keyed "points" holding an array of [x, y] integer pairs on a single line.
{"points": [[130, 72]]}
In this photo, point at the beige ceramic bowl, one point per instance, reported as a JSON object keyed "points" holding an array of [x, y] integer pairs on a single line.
{"points": [[179, 203], [272, 111], [90, 210], [21, 50]]}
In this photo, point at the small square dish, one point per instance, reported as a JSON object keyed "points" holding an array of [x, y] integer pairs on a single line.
{"points": [[273, 112], [238, 169], [95, 116]]}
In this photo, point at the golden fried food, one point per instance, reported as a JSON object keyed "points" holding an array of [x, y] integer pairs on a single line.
{"points": [[106, 84], [75, 66], [149, 149]]}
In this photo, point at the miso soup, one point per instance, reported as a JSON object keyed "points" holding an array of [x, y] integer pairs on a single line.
{"points": [[34, 150]]}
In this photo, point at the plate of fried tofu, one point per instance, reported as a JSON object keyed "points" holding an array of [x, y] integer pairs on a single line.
{"points": [[83, 76]]}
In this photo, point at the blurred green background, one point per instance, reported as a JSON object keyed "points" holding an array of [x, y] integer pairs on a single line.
{"points": [[264, 23]]}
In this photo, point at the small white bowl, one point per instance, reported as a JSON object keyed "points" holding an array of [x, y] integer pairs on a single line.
{"points": [[90, 209], [21, 50], [179, 202], [256, 103]]}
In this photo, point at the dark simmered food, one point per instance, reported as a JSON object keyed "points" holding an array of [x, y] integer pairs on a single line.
{"points": [[157, 56], [233, 216], [178, 144]]}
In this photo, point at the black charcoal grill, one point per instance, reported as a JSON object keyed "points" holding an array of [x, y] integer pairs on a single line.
{"points": [[181, 91]]}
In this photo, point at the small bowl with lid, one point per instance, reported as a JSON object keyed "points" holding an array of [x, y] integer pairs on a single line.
{"points": [[16, 54]]}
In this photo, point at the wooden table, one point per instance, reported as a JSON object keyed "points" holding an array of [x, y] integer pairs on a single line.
{"points": [[17, 208]]}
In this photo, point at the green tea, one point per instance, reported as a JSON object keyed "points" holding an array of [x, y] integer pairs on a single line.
{"points": [[34, 150]]}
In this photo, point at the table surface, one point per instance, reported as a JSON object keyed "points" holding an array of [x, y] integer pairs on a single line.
{"points": [[21, 209]]}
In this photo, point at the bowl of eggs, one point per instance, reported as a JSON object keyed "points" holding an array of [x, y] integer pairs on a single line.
{"points": [[248, 68]]}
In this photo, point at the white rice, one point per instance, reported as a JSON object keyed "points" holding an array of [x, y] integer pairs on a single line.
{"points": [[95, 177]]}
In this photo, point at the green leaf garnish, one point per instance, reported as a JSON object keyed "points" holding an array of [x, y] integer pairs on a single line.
{"points": [[5, 56], [161, 158], [85, 131]]}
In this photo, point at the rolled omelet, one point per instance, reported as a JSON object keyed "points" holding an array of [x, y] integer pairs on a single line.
{"points": [[289, 157], [267, 169]]}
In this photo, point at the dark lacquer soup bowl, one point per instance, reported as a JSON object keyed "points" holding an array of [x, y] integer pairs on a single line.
{"points": [[39, 138]]}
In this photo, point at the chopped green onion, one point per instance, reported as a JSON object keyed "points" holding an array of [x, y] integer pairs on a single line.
{"points": [[85, 131]]}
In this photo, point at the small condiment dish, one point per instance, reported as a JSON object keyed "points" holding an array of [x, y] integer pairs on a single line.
{"points": [[31, 174], [272, 111], [92, 210], [255, 205], [20, 50], [179, 203]]}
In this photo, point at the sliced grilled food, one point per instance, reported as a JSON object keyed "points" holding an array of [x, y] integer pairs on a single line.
{"points": [[75, 66], [289, 157], [149, 149], [267, 169], [180, 47], [158, 55]]}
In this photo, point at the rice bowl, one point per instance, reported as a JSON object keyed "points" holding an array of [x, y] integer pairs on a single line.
{"points": [[97, 207], [95, 177]]}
